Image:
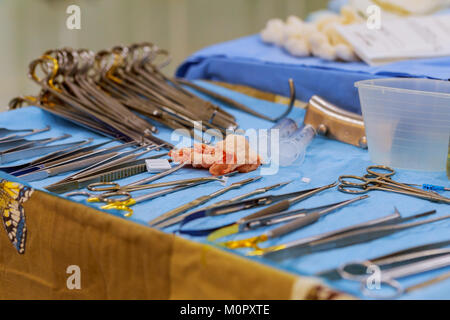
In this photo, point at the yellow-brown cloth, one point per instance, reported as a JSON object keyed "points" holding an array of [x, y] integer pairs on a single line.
{"points": [[119, 259]]}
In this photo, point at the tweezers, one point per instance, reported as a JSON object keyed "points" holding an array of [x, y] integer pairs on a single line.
{"points": [[76, 162], [34, 152], [13, 170], [34, 143], [29, 133], [340, 238]]}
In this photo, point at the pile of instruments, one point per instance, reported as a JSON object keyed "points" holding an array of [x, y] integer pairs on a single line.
{"points": [[119, 92], [122, 92]]}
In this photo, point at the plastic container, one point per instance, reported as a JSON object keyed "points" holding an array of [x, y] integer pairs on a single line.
{"points": [[407, 122], [293, 148]]}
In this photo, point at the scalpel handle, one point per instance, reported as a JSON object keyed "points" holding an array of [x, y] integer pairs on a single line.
{"points": [[294, 225]]}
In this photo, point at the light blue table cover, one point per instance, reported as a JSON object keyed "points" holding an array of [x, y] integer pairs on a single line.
{"points": [[249, 61], [325, 161]]}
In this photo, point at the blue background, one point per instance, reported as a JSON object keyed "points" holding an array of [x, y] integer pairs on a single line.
{"points": [[249, 61]]}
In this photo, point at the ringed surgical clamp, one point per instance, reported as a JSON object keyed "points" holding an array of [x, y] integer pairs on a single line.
{"points": [[343, 238], [199, 201], [113, 192], [301, 218], [124, 204], [211, 210], [375, 180], [389, 276], [393, 258]]}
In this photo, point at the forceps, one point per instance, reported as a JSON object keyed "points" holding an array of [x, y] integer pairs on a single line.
{"points": [[376, 180], [214, 209], [35, 152], [345, 237], [29, 132], [199, 201], [301, 218], [389, 276]]}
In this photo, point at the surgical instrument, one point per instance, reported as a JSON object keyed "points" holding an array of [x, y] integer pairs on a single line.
{"points": [[360, 268], [301, 218], [56, 170], [287, 203], [65, 157], [157, 176], [247, 204], [112, 187], [211, 209], [34, 143], [21, 143], [76, 162], [434, 187], [113, 192], [15, 169], [34, 152], [389, 276], [194, 203], [238, 105], [342, 239], [110, 162], [117, 172], [427, 283], [124, 205], [375, 180], [4, 131]]}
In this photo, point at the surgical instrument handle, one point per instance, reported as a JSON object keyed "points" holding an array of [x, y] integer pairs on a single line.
{"points": [[199, 201], [308, 219], [434, 187], [285, 204]]}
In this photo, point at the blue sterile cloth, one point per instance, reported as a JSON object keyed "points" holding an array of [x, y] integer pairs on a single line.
{"points": [[325, 161], [249, 61]]}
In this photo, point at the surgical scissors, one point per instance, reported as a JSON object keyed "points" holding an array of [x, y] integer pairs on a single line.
{"points": [[113, 192], [376, 180]]}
